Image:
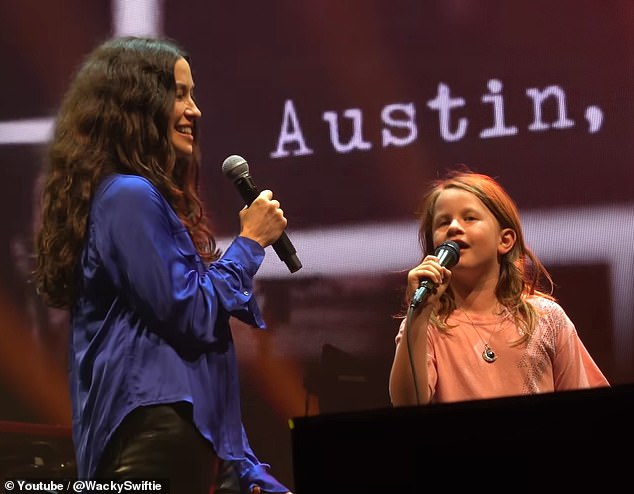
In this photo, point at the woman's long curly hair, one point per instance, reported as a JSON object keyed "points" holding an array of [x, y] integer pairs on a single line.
{"points": [[114, 118], [521, 272]]}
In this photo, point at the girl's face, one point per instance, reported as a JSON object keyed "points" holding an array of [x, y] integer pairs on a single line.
{"points": [[185, 111], [462, 217]]}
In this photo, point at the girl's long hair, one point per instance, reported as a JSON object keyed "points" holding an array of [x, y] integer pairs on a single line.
{"points": [[114, 118], [521, 273]]}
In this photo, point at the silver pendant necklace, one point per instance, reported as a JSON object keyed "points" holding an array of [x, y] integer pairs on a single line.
{"points": [[488, 354]]}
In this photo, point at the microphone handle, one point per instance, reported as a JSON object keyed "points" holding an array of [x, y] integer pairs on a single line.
{"points": [[425, 288], [287, 253], [247, 189], [283, 246]]}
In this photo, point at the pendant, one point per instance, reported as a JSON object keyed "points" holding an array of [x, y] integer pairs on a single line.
{"points": [[488, 355]]}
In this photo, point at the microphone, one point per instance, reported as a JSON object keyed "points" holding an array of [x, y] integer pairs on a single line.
{"points": [[448, 254], [236, 169]]}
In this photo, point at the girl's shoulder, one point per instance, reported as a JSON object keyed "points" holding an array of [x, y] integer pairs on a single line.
{"points": [[539, 301], [548, 308]]}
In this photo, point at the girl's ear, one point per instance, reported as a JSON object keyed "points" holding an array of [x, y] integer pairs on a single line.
{"points": [[507, 240]]}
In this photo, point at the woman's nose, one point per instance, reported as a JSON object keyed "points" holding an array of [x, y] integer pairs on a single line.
{"points": [[193, 111]]}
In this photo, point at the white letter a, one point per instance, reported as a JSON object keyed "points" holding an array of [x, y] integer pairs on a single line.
{"points": [[290, 133]]}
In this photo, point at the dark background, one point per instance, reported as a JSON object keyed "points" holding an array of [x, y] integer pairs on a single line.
{"points": [[351, 214]]}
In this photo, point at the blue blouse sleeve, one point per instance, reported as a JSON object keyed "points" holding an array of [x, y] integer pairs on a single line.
{"points": [[151, 259], [251, 472]]}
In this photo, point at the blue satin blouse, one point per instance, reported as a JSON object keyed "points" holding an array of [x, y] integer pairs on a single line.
{"points": [[151, 325]]}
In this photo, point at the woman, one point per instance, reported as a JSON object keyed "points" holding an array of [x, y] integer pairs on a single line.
{"points": [[124, 245]]}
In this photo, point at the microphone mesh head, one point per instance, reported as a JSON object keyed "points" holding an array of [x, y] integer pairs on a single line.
{"points": [[235, 166], [448, 253]]}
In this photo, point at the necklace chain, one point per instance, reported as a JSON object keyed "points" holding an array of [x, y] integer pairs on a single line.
{"points": [[488, 354]]}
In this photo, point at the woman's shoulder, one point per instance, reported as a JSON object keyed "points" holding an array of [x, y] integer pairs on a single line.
{"points": [[128, 191], [119, 183], [128, 198]]}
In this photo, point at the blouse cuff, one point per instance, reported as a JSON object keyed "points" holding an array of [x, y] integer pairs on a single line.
{"points": [[240, 263], [251, 474]]}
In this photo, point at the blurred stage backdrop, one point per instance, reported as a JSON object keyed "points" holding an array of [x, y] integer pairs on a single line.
{"points": [[346, 110]]}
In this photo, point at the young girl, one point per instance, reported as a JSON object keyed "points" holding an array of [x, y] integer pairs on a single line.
{"points": [[486, 330]]}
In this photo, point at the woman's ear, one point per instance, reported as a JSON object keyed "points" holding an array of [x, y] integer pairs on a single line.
{"points": [[507, 240]]}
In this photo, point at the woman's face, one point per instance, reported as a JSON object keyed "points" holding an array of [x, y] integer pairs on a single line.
{"points": [[185, 111]]}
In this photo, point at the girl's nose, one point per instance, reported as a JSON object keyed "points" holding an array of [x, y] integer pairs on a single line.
{"points": [[455, 225]]}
